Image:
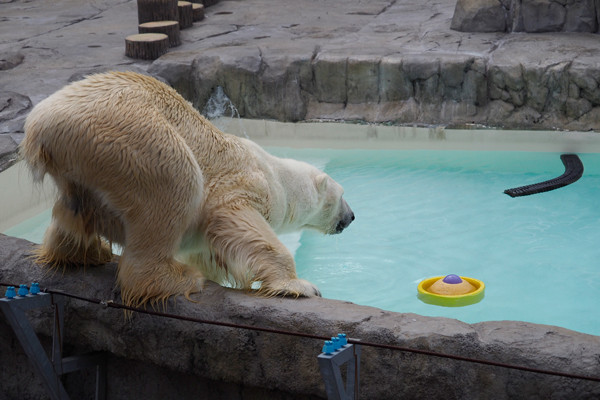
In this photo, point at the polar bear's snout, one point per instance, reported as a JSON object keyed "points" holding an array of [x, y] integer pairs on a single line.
{"points": [[346, 217]]}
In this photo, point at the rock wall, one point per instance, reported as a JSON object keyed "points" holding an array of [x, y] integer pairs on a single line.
{"points": [[526, 16], [389, 61], [14, 107], [152, 357], [532, 89]]}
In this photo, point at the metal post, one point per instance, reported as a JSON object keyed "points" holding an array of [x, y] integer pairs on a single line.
{"points": [[14, 309], [58, 326], [50, 370], [337, 353]]}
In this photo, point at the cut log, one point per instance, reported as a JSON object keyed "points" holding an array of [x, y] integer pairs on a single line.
{"points": [[157, 10], [169, 28], [198, 10], [147, 46], [186, 14]]}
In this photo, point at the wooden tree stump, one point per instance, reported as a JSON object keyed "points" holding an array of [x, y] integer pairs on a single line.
{"points": [[186, 14], [157, 10], [147, 46], [169, 28], [198, 11]]}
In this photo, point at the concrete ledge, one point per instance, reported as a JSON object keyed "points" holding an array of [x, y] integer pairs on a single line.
{"points": [[177, 354], [336, 135]]}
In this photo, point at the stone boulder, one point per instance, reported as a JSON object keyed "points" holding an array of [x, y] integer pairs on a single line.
{"points": [[10, 60], [526, 16], [8, 152], [479, 16], [14, 108]]}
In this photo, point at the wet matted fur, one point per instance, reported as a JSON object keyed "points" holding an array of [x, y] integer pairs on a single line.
{"points": [[135, 164]]}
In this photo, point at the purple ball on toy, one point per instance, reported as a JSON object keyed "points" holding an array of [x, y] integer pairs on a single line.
{"points": [[452, 279]]}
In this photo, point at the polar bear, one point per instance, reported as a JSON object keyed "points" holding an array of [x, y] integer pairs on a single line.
{"points": [[135, 164]]}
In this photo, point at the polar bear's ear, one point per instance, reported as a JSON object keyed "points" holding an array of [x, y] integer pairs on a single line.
{"points": [[321, 182]]}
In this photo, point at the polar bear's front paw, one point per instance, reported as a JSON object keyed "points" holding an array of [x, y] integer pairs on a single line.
{"points": [[293, 287]]}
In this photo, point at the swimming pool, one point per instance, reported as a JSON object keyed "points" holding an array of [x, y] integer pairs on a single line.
{"points": [[424, 213], [428, 213]]}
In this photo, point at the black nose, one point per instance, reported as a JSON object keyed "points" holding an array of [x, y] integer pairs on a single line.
{"points": [[343, 224]]}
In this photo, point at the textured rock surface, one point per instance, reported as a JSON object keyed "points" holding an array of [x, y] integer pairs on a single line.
{"points": [[526, 16], [181, 357], [378, 61], [480, 16], [382, 61]]}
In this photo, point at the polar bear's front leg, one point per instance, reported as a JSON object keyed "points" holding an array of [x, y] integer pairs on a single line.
{"points": [[251, 252], [148, 271]]}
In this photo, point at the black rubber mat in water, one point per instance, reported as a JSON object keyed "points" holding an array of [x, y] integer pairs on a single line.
{"points": [[573, 171]]}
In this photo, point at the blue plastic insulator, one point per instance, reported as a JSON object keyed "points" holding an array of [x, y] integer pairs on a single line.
{"points": [[328, 347], [35, 288], [23, 291], [10, 292], [343, 339], [336, 343]]}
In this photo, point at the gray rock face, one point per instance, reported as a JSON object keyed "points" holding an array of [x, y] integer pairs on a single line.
{"points": [[393, 62], [8, 151], [479, 16], [526, 16], [13, 110], [202, 360], [10, 60], [558, 89]]}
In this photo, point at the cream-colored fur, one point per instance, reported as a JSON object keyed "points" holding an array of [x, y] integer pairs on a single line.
{"points": [[137, 165]]}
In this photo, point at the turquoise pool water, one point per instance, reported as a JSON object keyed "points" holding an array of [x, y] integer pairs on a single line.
{"points": [[427, 213], [421, 214]]}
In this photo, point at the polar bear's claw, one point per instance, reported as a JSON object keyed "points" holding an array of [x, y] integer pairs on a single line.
{"points": [[291, 288]]}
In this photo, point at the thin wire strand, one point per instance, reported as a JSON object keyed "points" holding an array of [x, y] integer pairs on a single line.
{"points": [[313, 336]]}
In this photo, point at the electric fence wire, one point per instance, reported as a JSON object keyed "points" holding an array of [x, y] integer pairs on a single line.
{"points": [[155, 313]]}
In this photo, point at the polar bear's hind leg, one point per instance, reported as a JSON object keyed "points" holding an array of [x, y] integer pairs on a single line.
{"points": [[160, 204], [72, 237], [148, 271]]}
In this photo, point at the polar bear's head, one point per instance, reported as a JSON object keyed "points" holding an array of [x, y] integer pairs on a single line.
{"points": [[333, 213], [311, 199]]}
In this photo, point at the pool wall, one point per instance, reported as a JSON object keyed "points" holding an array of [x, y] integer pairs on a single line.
{"points": [[24, 199], [339, 135], [155, 357]]}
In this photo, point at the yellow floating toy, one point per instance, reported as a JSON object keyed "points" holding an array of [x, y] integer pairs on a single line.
{"points": [[451, 291]]}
